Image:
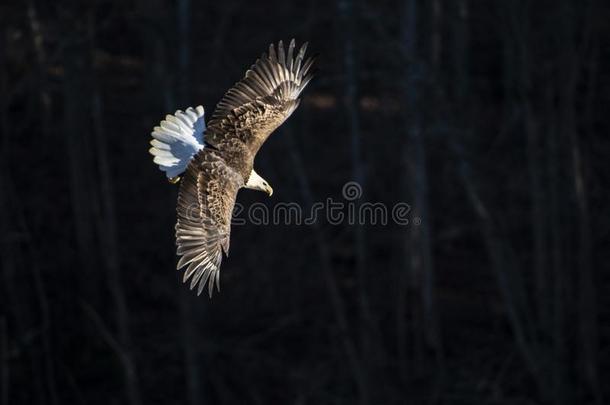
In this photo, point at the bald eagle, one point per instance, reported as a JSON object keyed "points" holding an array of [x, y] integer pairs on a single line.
{"points": [[212, 163]]}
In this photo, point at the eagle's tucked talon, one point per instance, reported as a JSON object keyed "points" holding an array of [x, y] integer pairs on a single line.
{"points": [[214, 163]]}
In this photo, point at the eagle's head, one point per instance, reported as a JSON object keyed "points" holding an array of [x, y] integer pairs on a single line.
{"points": [[256, 182]]}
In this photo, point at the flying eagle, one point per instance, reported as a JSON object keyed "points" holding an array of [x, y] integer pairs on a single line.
{"points": [[213, 163]]}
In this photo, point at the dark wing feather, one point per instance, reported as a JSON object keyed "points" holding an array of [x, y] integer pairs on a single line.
{"points": [[205, 206], [255, 106]]}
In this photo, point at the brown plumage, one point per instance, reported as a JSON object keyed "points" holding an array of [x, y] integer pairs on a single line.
{"points": [[244, 118]]}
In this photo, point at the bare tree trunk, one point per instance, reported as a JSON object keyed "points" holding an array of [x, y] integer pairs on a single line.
{"points": [[5, 259], [366, 325], [589, 328], [498, 258], [556, 254], [4, 363], [45, 311], [80, 156], [436, 47], [13, 223], [436, 35], [107, 229], [41, 60], [587, 311], [521, 22], [421, 262], [518, 38]]}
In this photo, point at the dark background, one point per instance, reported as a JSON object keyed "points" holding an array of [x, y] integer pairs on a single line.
{"points": [[487, 117]]}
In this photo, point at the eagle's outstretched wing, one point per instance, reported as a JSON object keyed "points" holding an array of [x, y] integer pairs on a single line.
{"points": [[255, 106], [205, 206]]}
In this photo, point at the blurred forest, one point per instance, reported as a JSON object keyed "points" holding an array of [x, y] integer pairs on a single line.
{"points": [[487, 117]]}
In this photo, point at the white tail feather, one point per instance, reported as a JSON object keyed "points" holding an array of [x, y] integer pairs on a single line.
{"points": [[177, 139]]}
